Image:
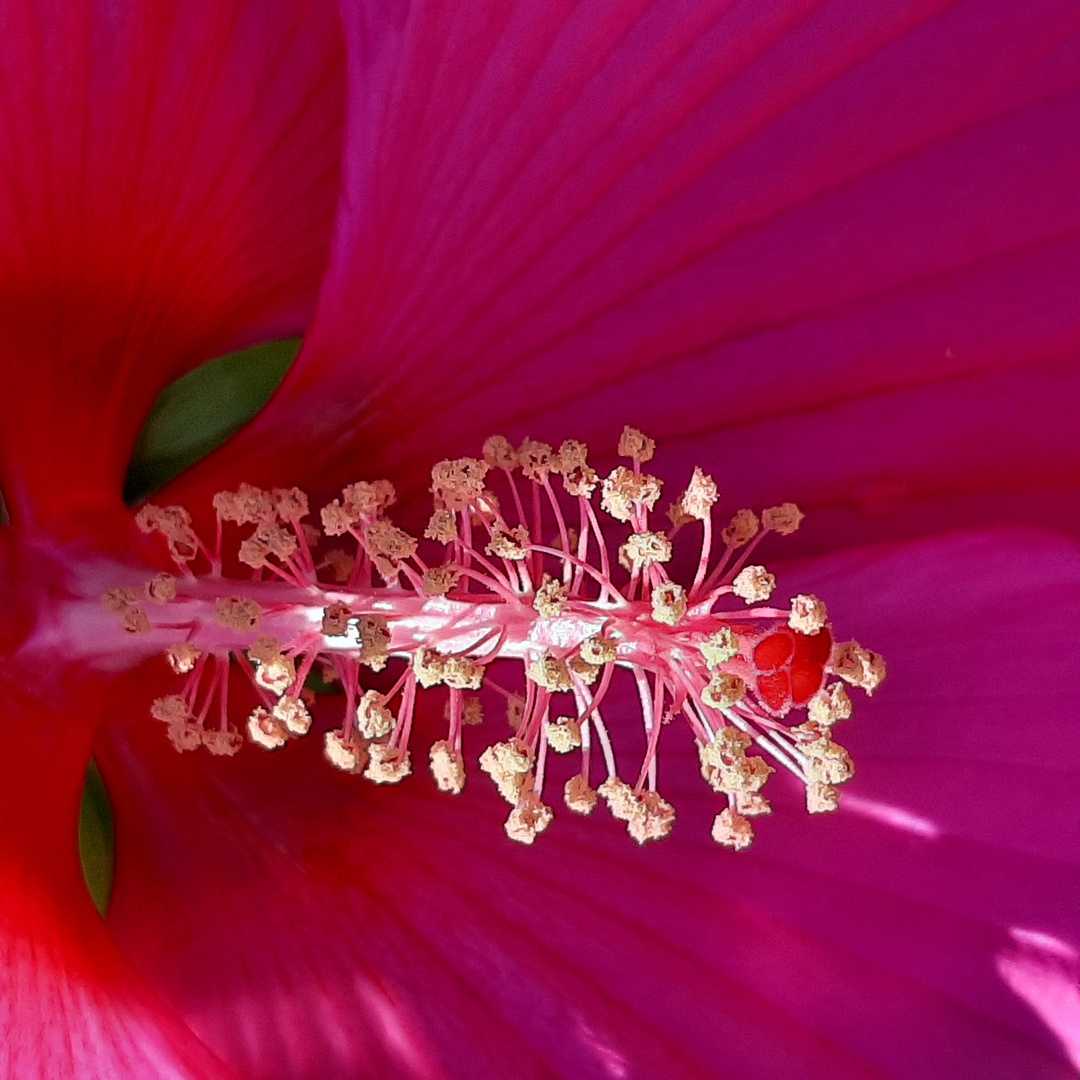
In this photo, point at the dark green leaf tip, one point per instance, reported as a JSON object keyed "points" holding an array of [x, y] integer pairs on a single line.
{"points": [[198, 412]]}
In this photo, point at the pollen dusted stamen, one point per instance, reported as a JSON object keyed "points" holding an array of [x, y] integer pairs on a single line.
{"points": [[516, 576]]}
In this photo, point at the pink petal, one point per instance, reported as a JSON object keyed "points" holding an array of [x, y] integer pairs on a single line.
{"points": [[1045, 973], [835, 248], [320, 926], [72, 1007], [168, 178]]}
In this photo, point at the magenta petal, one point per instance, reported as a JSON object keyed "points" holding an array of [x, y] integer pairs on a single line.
{"points": [[320, 926], [780, 222], [1046, 974], [168, 182]]}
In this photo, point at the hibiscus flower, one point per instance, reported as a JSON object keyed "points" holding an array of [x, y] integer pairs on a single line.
{"points": [[827, 254]]}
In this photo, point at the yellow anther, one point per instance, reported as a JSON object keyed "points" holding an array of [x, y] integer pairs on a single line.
{"points": [[136, 621], [447, 768], [373, 719], [731, 740], [428, 667], [808, 614], [571, 457], [550, 600], [822, 798], [387, 541], [293, 713], [827, 762], [280, 542], [653, 819], [442, 527], [550, 673], [783, 519], [222, 743], [751, 804], [645, 549], [170, 709], [563, 736], [723, 691], [743, 529], [578, 796], [253, 553], [439, 580], [499, 453], [623, 492], [268, 539], [184, 736], [291, 504], [647, 816], [597, 650], [510, 545], [367, 499], [620, 798], [244, 506], [348, 756], [276, 675], [700, 496], [745, 776], [858, 666], [732, 830], [183, 657], [174, 523], [461, 673], [830, 704], [726, 767], [161, 588], [719, 647], [118, 599], [536, 459], [386, 765], [634, 444], [273, 671], [753, 584], [472, 712], [335, 620], [585, 671], [373, 632], [226, 506], [336, 520], [266, 730], [529, 818], [455, 484], [236, 613], [668, 603], [508, 764], [580, 482]]}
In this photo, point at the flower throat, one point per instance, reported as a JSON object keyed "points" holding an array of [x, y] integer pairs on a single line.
{"points": [[528, 601]]}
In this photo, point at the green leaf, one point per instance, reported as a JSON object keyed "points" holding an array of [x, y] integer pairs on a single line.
{"points": [[97, 839], [198, 412]]}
